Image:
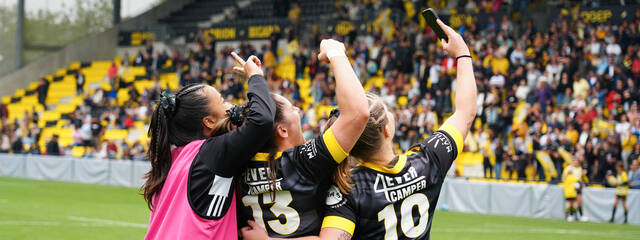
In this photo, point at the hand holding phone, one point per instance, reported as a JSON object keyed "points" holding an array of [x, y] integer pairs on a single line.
{"points": [[452, 41], [430, 16]]}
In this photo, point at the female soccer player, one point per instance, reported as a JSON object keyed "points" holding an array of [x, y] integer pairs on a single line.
{"points": [[193, 159], [389, 196], [622, 190], [572, 179], [284, 191]]}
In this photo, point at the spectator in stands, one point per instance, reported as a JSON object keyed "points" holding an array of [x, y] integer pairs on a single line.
{"points": [[85, 134], [137, 151], [53, 148], [42, 90], [17, 146], [111, 149], [125, 60], [635, 154], [5, 140], [294, 13], [634, 174], [112, 74], [97, 130], [80, 82], [139, 60]]}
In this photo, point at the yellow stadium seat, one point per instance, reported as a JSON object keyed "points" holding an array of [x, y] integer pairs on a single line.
{"points": [[6, 99], [139, 124], [77, 100], [75, 65], [142, 85], [33, 86], [50, 116], [106, 86], [101, 64], [66, 108], [170, 80], [77, 151], [52, 101], [60, 94], [144, 138], [65, 141], [115, 134], [123, 96], [69, 79], [118, 60], [65, 132], [19, 93], [61, 123], [29, 100], [137, 71], [402, 101]]}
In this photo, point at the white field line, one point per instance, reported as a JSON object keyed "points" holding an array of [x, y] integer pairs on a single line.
{"points": [[108, 222]]}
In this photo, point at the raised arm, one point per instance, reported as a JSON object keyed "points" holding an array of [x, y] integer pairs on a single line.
{"points": [[238, 146], [466, 89], [354, 108]]}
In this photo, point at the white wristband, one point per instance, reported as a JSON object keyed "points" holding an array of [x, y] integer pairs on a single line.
{"points": [[335, 53]]}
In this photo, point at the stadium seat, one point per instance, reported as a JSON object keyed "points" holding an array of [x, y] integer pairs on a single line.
{"points": [[123, 96], [115, 134], [78, 151]]}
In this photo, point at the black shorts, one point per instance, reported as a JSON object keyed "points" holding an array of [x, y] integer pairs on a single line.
{"points": [[579, 191], [570, 199], [621, 197]]}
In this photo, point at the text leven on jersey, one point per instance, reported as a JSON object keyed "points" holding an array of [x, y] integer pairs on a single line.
{"points": [[397, 188], [258, 180]]}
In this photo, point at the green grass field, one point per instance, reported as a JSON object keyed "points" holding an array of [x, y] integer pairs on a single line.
{"points": [[54, 210]]}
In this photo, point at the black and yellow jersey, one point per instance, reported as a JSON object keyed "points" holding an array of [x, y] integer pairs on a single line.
{"points": [[398, 202], [303, 176], [622, 187], [571, 177]]}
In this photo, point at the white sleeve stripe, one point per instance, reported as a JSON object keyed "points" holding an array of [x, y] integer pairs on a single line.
{"points": [[211, 205]]}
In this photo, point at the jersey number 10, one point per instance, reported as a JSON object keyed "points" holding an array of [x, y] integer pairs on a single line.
{"points": [[280, 207], [408, 226]]}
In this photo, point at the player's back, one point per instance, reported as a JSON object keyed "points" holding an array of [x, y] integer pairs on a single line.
{"points": [[290, 205], [396, 202], [388, 199]]}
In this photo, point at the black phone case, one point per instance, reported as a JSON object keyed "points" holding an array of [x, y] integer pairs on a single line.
{"points": [[430, 16]]}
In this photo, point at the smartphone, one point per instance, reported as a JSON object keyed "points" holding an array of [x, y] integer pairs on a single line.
{"points": [[430, 16]]}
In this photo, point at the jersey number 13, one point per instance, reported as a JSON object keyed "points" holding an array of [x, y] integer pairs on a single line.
{"points": [[280, 207]]}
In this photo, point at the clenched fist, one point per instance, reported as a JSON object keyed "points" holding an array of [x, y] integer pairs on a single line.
{"points": [[330, 48]]}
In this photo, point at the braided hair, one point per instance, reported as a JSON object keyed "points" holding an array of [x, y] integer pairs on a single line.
{"points": [[177, 121]]}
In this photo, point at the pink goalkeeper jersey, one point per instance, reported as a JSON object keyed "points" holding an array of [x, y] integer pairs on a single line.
{"points": [[172, 216]]}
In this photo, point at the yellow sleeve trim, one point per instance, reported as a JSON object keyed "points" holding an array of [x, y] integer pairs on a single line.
{"points": [[455, 134], [333, 146], [339, 223]]}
